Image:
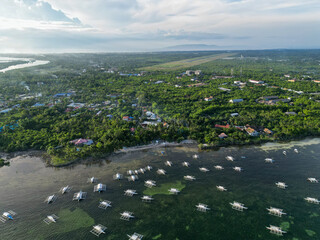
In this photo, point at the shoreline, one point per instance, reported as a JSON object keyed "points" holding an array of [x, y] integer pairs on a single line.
{"points": [[161, 144]]}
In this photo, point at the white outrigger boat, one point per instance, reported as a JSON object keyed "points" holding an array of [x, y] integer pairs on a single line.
{"points": [[117, 176], [79, 196], [7, 216], [130, 192], [296, 150], [276, 230], [269, 160], [202, 207], [276, 211], [168, 163], [51, 199], [238, 206], [92, 180], [161, 172], [135, 236], [237, 169], [132, 178], [146, 199], [221, 188], [51, 219], [281, 185], [100, 188], [203, 169], [312, 200], [97, 230], [195, 156], [284, 153], [126, 215], [149, 168], [150, 183], [104, 204], [141, 170], [313, 180], [186, 164], [189, 178], [174, 191], [65, 189], [230, 158], [218, 167], [130, 172]]}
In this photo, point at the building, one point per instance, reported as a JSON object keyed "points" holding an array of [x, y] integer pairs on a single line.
{"points": [[224, 89], [82, 141], [291, 113], [222, 126], [255, 81], [234, 114], [267, 131], [236, 100], [209, 99], [223, 135], [252, 132]]}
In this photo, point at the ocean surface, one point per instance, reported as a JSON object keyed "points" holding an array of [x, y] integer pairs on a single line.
{"points": [[26, 183]]}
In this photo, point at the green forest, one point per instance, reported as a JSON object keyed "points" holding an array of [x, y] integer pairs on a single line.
{"points": [[123, 100]]}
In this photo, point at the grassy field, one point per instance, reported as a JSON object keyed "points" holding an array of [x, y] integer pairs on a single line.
{"points": [[186, 63]]}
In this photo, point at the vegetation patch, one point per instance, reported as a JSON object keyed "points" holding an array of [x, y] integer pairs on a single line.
{"points": [[310, 232], [285, 226], [163, 188], [157, 237], [3, 163]]}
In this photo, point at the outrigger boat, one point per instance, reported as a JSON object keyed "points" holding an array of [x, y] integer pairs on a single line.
{"points": [[117, 176], [230, 158], [218, 167], [7, 216], [92, 180], [269, 160], [97, 230], [313, 180], [174, 191], [168, 163], [186, 164], [51, 199], [130, 192], [135, 236], [161, 171], [150, 183], [276, 211], [238, 206], [126, 215], [79, 196], [51, 219], [202, 207], [276, 230], [312, 200], [281, 185], [104, 204], [203, 169], [195, 156], [237, 169], [132, 178], [146, 199], [189, 178], [100, 188], [65, 189], [221, 188]]}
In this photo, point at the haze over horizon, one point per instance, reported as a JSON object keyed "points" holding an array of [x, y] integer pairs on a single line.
{"points": [[28, 26]]}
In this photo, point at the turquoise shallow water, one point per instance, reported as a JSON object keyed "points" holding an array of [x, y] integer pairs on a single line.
{"points": [[27, 182]]}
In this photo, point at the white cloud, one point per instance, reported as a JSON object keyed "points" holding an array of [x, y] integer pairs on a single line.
{"points": [[147, 24]]}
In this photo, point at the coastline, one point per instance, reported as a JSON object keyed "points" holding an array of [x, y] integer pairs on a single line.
{"points": [[158, 144]]}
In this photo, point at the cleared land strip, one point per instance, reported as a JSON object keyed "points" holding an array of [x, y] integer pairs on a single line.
{"points": [[186, 63]]}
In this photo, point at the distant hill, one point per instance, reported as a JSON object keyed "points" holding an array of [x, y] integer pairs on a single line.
{"points": [[191, 47]]}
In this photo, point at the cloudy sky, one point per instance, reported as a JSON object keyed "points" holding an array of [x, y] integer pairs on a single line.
{"points": [[148, 25]]}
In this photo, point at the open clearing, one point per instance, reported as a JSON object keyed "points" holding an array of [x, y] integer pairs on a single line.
{"points": [[186, 63]]}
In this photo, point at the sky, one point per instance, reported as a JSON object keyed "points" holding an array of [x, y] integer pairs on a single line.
{"points": [[55, 26]]}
